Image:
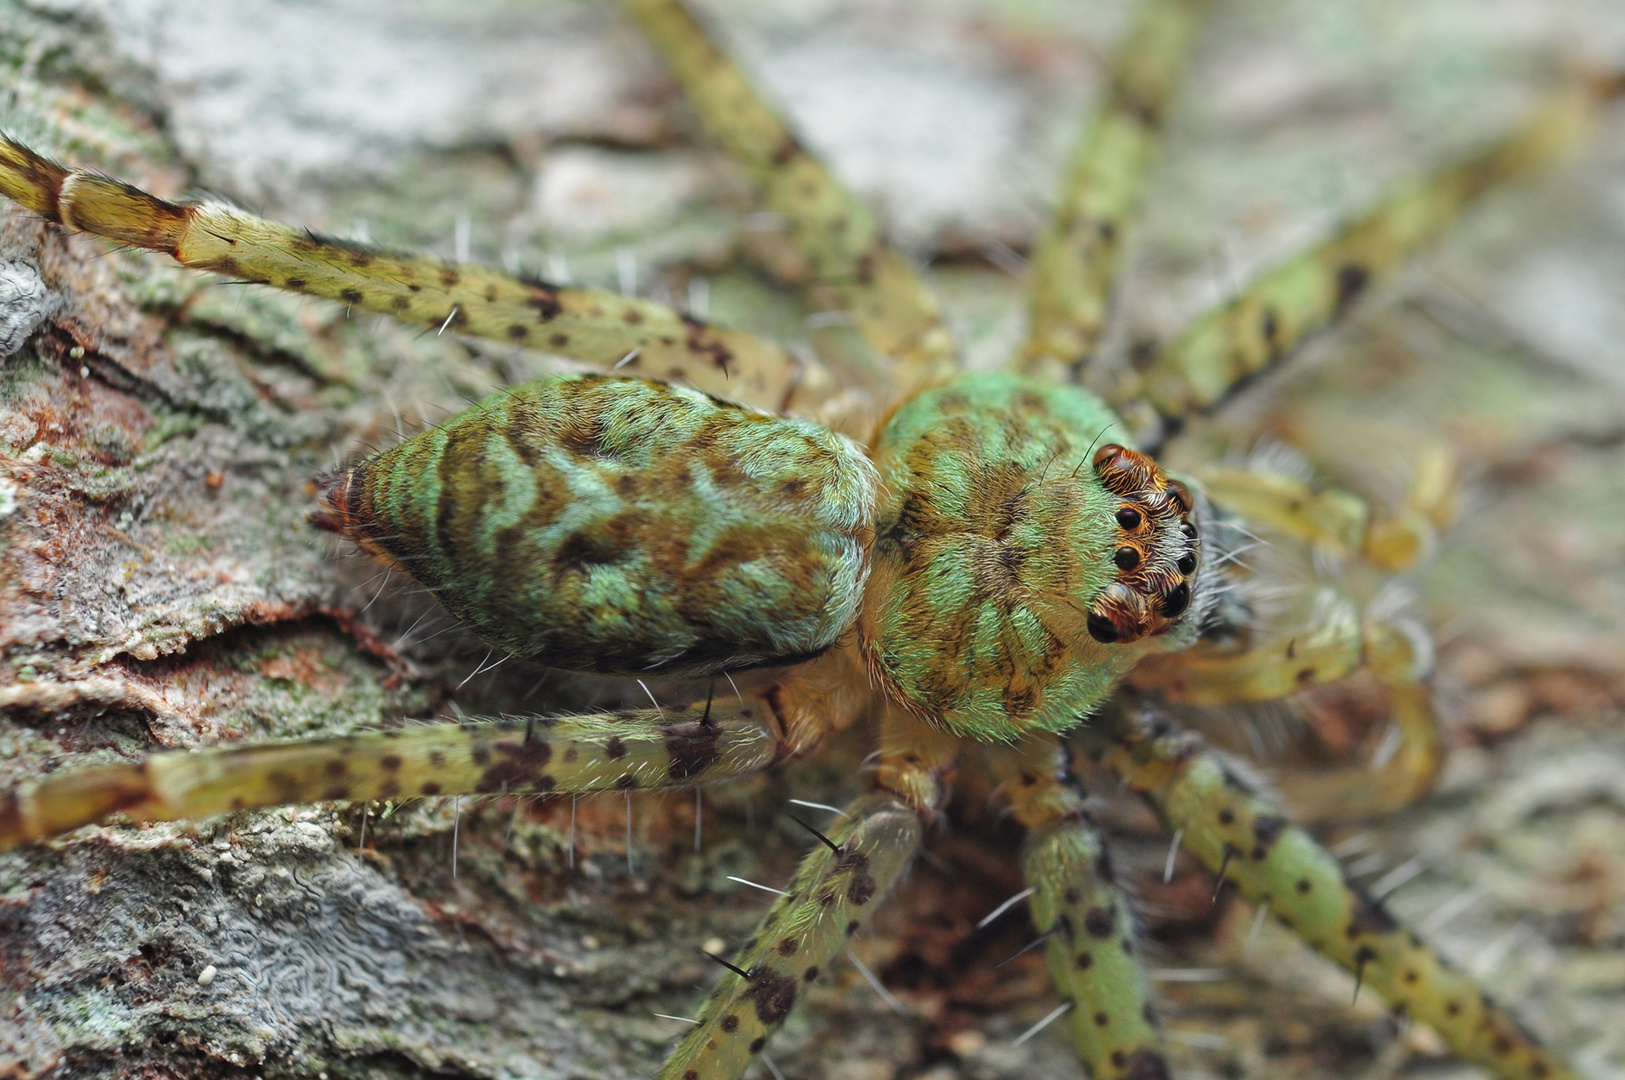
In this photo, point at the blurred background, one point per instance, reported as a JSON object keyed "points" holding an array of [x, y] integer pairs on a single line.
{"points": [[158, 586]]}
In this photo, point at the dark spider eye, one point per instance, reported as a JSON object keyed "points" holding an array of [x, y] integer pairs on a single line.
{"points": [[1181, 496], [1188, 529], [1127, 557], [1129, 518], [1186, 563], [1101, 629], [1176, 600]]}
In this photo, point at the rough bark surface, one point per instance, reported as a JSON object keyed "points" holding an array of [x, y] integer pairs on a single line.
{"points": [[159, 588]]}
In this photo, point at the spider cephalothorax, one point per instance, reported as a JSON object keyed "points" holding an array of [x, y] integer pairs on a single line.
{"points": [[1003, 598]]}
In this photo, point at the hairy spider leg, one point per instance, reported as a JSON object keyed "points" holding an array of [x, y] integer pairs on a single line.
{"points": [[1076, 263], [1278, 669], [633, 335], [837, 886], [1256, 330], [1342, 522], [1246, 840], [855, 270], [1085, 919], [676, 746]]}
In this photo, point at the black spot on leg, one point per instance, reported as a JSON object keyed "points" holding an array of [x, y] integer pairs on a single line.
{"points": [[518, 332], [774, 995], [1103, 866], [1352, 279], [810, 974], [615, 749], [294, 283], [757, 1044], [1100, 922], [1304, 885], [851, 928], [1085, 961], [1146, 1064], [431, 788], [1267, 829], [730, 1023], [862, 888], [1369, 917], [786, 150], [1270, 327], [692, 748], [1102, 1020], [788, 946], [350, 296], [519, 766], [627, 782]]}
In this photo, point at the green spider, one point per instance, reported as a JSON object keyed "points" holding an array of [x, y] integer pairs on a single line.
{"points": [[982, 580]]}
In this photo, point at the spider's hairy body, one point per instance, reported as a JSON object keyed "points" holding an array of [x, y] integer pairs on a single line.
{"points": [[980, 581], [995, 541], [620, 525]]}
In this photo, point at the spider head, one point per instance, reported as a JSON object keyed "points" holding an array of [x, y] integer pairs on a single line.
{"points": [[1019, 573], [1157, 550]]}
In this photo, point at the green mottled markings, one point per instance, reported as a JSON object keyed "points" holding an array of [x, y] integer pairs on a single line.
{"points": [[994, 535], [621, 525]]}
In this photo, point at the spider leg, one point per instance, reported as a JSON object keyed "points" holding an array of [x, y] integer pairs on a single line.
{"points": [[633, 335], [1255, 331], [1077, 905], [1076, 263], [1274, 863], [1391, 652], [856, 271], [1341, 521], [613, 751], [836, 887]]}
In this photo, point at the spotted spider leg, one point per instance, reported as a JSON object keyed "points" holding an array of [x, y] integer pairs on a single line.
{"points": [[1395, 653], [855, 271], [1258, 328], [633, 335], [1241, 836], [611, 751], [1076, 262], [837, 886], [1085, 920]]}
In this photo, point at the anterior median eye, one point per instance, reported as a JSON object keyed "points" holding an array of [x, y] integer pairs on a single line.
{"points": [[1127, 557]]}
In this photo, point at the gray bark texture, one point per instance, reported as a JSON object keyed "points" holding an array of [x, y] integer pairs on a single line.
{"points": [[159, 587]]}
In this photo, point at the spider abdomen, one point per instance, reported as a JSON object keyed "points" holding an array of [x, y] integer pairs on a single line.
{"points": [[621, 525]]}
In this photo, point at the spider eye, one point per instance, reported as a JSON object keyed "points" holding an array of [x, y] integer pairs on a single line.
{"points": [[1101, 629], [1188, 529], [1181, 496], [1176, 600], [1127, 557], [1129, 518], [1186, 563]]}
